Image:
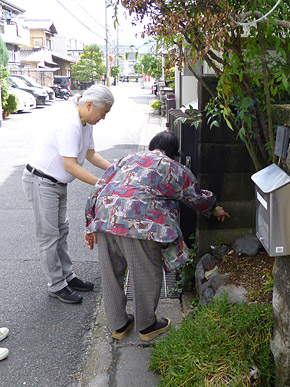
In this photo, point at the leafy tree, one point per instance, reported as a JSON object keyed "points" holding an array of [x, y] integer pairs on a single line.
{"points": [[115, 71], [84, 70], [151, 65], [4, 54], [90, 66], [251, 62]]}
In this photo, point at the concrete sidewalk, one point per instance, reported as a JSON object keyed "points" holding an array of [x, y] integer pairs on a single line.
{"points": [[112, 363]]}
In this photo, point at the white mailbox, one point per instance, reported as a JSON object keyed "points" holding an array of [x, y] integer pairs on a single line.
{"points": [[273, 209]]}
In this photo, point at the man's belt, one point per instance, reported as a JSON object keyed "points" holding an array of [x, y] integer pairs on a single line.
{"points": [[40, 174]]}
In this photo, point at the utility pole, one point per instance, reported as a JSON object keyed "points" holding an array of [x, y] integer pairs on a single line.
{"points": [[117, 62], [163, 67], [107, 45], [117, 59], [1, 111]]}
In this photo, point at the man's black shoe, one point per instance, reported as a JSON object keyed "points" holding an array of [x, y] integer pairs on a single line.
{"points": [[67, 295], [78, 284]]}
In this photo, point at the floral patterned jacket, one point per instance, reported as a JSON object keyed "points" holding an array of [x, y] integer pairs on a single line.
{"points": [[139, 197]]}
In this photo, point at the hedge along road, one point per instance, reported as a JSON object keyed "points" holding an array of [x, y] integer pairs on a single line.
{"points": [[48, 339]]}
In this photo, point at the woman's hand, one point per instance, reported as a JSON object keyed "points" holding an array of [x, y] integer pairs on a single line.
{"points": [[220, 213], [90, 239]]}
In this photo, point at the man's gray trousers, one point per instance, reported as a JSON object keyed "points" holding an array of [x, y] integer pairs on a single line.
{"points": [[49, 204]]}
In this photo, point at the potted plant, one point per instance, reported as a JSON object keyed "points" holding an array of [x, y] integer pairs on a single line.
{"points": [[156, 105]]}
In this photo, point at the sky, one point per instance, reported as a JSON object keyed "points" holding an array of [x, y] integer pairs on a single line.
{"points": [[83, 20]]}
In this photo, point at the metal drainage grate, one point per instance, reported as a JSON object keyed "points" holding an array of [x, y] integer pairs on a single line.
{"points": [[167, 290]]}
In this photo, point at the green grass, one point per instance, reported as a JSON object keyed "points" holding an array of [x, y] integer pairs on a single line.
{"points": [[217, 346]]}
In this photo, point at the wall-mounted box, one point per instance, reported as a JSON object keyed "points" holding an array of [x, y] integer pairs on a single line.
{"points": [[273, 209]]}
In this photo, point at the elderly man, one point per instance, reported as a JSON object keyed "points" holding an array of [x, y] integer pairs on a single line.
{"points": [[133, 215]]}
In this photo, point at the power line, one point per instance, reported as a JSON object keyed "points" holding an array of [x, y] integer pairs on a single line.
{"points": [[260, 19], [89, 14], [58, 1]]}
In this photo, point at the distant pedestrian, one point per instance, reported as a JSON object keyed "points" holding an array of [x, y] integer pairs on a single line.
{"points": [[4, 352], [132, 214], [56, 161]]}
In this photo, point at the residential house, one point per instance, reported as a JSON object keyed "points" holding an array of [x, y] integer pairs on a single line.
{"points": [[41, 33], [38, 58], [68, 46], [186, 85], [75, 48], [13, 30]]}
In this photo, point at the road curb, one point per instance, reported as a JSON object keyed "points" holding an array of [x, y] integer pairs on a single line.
{"points": [[99, 356]]}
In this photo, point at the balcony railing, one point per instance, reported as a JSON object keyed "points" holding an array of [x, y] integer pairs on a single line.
{"points": [[15, 33]]}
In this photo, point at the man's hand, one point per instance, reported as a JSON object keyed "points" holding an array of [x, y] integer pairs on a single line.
{"points": [[90, 239], [220, 213]]}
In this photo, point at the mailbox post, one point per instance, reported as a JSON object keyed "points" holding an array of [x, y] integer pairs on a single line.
{"points": [[273, 210], [273, 230]]}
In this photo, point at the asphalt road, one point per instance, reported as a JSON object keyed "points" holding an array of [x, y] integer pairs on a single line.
{"points": [[48, 339]]}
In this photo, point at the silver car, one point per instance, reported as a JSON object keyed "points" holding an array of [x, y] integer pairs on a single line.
{"points": [[39, 94], [26, 101]]}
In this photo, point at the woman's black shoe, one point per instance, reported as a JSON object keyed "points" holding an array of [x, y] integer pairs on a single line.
{"points": [[160, 326], [121, 333]]}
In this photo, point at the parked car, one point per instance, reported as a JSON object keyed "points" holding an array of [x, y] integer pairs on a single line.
{"points": [[26, 100], [124, 78], [62, 81], [39, 94], [32, 83]]}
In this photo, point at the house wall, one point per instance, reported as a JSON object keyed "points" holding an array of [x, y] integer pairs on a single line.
{"points": [[64, 67], [37, 39], [40, 39], [186, 86], [12, 30], [60, 44], [189, 87], [221, 163]]}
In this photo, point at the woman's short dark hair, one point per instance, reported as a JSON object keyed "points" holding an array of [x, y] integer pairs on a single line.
{"points": [[166, 141]]}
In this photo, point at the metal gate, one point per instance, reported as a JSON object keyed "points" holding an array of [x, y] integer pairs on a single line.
{"points": [[187, 136], [168, 289]]}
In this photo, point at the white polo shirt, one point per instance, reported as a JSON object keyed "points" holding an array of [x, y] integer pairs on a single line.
{"points": [[69, 139]]}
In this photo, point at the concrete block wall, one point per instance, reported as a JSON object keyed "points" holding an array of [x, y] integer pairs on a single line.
{"points": [[223, 166]]}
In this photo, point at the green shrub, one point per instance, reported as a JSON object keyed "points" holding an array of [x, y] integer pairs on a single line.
{"points": [[4, 84], [217, 346], [156, 105], [11, 104], [185, 276]]}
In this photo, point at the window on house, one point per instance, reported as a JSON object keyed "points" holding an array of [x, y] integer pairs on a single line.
{"points": [[49, 44]]}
